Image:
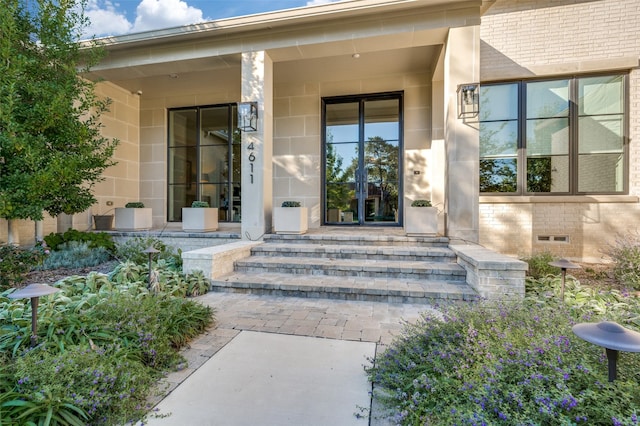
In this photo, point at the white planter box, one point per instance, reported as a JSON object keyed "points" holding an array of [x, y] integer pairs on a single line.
{"points": [[290, 220], [131, 219], [199, 219], [421, 221]]}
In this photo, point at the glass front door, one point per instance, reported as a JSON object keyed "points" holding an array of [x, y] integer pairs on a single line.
{"points": [[362, 159]]}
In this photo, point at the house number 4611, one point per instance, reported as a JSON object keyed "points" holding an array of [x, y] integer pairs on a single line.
{"points": [[252, 159]]}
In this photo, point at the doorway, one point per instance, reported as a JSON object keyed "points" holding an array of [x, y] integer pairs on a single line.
{"points": [[362, 159]]}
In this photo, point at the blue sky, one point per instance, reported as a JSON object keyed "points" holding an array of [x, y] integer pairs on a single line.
{"points": [[116, 17]]}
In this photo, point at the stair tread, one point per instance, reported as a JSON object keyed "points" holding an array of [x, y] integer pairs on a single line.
{"points": [[392, 286], [348, 249]]}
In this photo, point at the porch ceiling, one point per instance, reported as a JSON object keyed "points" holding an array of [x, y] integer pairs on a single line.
{"points": [[322, 61]]}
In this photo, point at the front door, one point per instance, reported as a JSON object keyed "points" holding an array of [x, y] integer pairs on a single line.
{"points": [[362, 159]]}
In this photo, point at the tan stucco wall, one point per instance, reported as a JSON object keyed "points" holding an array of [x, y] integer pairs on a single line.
{"points": [[525, 39]]}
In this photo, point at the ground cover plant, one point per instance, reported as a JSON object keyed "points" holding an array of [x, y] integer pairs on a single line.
{"points": [[513, 363], [103, 343]]}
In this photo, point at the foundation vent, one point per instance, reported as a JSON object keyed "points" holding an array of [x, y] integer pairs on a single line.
{"points": [[553, 238]]}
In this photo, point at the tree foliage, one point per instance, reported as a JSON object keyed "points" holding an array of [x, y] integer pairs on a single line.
{"points": [[51, 148]]}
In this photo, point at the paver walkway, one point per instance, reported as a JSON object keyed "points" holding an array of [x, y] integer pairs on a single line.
{"points": [[332, 319]]}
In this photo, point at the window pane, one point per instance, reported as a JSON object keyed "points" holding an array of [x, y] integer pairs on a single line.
{"points": [[214, 123], [499, 102], [381, 119], [600, 134], [601, 95], [182, 125], [214, 164], [548, 136], [179, 197], [498, 138], [182, 165], [342, 122], [601, 173], [498, 175], [548, 99], [548, 174]]}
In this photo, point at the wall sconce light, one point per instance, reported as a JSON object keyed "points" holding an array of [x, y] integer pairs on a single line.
{"points": [[468, 100], [248, 116]]}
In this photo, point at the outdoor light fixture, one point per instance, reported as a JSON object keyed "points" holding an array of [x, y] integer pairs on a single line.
{"points": [[611, 336], [33, 292], [563, 264], [248, 116], [468, 100], [151, 250]]}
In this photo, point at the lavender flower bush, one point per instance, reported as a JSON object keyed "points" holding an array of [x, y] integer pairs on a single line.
{"points": [[513, 364]]}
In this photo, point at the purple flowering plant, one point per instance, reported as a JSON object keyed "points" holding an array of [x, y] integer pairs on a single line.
{"points": [[518, 363]]}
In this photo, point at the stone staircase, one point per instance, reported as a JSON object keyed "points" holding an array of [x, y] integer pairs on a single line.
{"points": [[364, 266]]}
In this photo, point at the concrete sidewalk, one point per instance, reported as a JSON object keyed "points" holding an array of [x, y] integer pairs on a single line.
{"points": [[281, 361]]}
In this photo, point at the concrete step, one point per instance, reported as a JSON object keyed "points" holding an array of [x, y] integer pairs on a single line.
{"points": [[352, 268], [391, 290], [371, 237], [346, 251]]}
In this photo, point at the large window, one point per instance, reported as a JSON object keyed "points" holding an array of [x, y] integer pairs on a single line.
{"points": [[204, 160], [563, 136]]}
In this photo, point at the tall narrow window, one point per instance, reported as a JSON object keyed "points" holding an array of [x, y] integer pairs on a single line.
{"points": [[204, 160], [568, 133]]}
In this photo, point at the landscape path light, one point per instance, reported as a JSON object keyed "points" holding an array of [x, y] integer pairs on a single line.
{"points": [[33, 292], [611, 336], [151, 250], [563, 264]]}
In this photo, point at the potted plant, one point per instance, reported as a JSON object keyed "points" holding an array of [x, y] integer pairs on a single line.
{"points": [[134, 216], [421, 219], [199, 217], [291, 218]]}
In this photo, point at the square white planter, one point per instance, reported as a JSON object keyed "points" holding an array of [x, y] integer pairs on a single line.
{"points": [[290, 220], [199, 219], [421, 221], [131, 219]]}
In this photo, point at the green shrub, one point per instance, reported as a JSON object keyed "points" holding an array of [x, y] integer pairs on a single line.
{"points": [[132, 250], [539, 264], [95, 239], [200, 204], [15, 262], [421, 203], [291, 204], [75, 254], [134, 205], [625, 254], [103, 346]]}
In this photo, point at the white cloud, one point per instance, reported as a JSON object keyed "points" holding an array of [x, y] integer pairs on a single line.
{"points": [[154, 14], [105, 19]]}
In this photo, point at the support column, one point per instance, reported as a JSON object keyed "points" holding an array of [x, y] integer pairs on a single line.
{"points": [[257, 147], [461, 138]]}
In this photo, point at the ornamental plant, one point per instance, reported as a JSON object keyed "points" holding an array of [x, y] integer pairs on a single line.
{"points": [[291, 204], [421, 203], [134, 205], [490, 363], [200, 204], [104, 342]]}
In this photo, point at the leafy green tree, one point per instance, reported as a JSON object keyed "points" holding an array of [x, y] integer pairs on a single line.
{"points": [[381, 160], [51, 148]]}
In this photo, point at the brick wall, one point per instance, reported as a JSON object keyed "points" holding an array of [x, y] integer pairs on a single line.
{"points": [[529, 38]]}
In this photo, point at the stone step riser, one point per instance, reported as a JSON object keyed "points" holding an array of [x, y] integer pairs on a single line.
{"points": [[426, 298], [264, 252], [393, 273]]}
